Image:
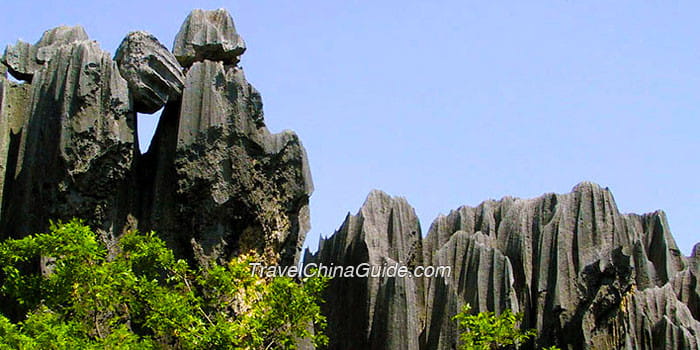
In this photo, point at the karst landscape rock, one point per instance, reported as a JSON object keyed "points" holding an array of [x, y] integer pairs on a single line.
{"points": [[585, 275], [216, 182]]}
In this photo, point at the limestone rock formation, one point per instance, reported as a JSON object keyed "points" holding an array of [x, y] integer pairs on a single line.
{"points": [[223, 183], [375, 313], [75, 147], [585, 275], [236, 185], [208, 35], [13, 115], [215, 181], [153, 73], [24, 59], [481, 276]]}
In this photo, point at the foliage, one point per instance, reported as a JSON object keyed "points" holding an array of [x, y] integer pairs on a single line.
{"points": [[142, 297], [486, 330]]}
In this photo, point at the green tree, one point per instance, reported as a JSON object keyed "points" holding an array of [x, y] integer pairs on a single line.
{"points": [[486, 330], [145, 298]]}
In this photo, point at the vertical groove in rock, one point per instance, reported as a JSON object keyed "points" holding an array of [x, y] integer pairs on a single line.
{"points": [[14, 101]]}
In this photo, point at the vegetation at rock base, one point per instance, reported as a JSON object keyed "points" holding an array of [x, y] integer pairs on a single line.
{"points": [[144, 298], [486, 330]]}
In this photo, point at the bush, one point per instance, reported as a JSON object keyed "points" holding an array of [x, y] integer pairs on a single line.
{"points": [[486, 330], [145, 298]]}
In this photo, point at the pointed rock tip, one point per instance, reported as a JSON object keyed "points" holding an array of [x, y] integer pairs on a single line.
{"points": [[588, 185], [380, 199], [63, 34], [24, 59], [379, 195], [696, 251]]}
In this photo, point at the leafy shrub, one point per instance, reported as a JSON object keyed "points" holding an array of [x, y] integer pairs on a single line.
{"points": [[486, 330], [145, 298]]}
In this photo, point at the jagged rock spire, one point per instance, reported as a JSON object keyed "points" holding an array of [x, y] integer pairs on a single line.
{"points": [[374, 313], [222, 183]]}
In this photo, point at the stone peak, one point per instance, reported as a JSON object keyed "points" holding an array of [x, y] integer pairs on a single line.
{"points": [[208, 35]]}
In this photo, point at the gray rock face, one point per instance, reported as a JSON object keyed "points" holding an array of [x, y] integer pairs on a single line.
{"points": [[571, 253], [208, 35], [584, 275], [14, 101], [215, 182], [76, 148], [24, 59], [237, 187], [481, 276], [153, 73], [655, 319], [375, 313]]}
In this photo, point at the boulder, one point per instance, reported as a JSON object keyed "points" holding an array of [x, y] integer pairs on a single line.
{"points": [[154, 75], [209, 35]]}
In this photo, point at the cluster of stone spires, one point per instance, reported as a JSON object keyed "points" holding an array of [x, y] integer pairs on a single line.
{"points": [[216, 182], [584, 275]]}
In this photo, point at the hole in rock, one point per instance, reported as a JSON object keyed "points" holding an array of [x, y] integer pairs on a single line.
{"points": [[12, 78], [146, 128]]}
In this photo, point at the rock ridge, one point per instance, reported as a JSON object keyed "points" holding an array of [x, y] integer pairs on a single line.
{"points": [[585, 275]]}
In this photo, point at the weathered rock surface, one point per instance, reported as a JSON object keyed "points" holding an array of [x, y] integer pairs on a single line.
{"points": [[13, 114], [153, 73], [24, 59], [77, 144], [481, 276], [215, 182], [584, 275], [236, 186], [374, 313], [221, 182], [209, 35], [655, 319]]}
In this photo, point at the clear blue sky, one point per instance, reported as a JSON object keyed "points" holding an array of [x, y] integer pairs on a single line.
{"points": [[455, 102]]}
